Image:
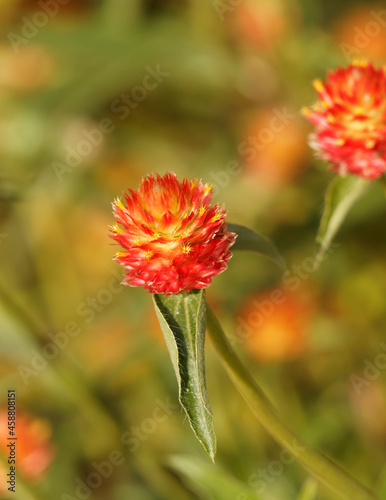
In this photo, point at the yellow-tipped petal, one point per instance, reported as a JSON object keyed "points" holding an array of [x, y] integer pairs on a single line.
{"points": [[120, 254], [361, 63], [318, 85], [208, 188], [119, 203], [306, 111], [117, 229]]}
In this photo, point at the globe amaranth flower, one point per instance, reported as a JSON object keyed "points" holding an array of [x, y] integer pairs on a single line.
{"points": [[350, 120], [173, 240]]}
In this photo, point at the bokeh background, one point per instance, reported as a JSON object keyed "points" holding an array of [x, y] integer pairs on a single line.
{"points": [[93, 96]]}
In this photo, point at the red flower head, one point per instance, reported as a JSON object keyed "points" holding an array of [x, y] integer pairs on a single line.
{"points": [[173, 239], [350, 120]]}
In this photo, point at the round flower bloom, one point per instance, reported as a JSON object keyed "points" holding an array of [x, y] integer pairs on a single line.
{"points": [[350, 120], [173, 239]]}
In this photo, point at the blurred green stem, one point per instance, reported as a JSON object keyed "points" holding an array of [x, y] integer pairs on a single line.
{"points": [[321, 467], [19, 309], [62, 375]]}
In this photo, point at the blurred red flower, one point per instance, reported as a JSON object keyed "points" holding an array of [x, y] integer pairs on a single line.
{"points": [[173, 239], [350, 120]]}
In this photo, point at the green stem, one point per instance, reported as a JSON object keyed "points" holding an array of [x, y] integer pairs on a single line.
{"points": [[321, 467]]}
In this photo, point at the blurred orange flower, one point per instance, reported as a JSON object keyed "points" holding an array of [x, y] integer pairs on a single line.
{"points": [[274, 150], [105, 345], [34, 451], [29, 69], [273, 325], [361, 32]]}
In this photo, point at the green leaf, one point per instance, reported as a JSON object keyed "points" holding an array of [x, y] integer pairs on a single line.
{"points": [[249, 240], [341, 195], [211, 482], [183, 320]]}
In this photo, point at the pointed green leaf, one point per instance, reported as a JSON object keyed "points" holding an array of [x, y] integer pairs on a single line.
{"points": [[249, 240], [211, 482], [183, 319], [341, 195]]}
